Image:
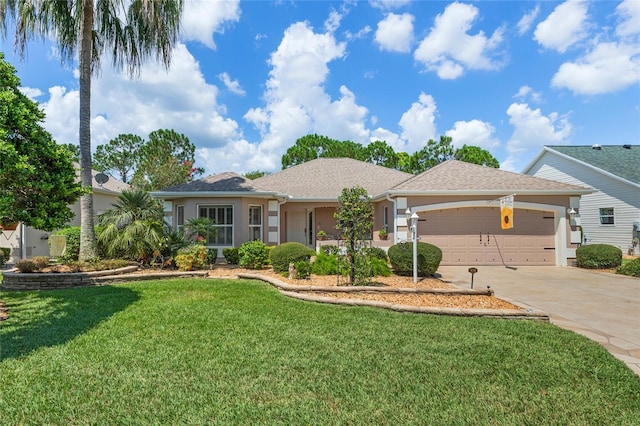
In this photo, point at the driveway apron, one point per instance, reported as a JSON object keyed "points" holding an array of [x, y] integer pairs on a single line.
{"points": [[602, 306]]}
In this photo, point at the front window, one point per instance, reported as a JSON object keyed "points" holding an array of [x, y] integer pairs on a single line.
{"points": [[606, 216], [255, 223], [222, 216]]}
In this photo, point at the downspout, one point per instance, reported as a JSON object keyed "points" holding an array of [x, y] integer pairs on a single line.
{"points": [[395, 218], [23, 236]]}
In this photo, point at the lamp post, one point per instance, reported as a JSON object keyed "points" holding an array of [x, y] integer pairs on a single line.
{"points": [[414, 239]]}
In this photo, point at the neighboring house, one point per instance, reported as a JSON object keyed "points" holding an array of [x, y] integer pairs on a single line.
{"points": [[611, 214], [26, 242], [457, 202]]}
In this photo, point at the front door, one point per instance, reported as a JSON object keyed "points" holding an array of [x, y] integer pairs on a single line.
{"points": [[296, 226]]}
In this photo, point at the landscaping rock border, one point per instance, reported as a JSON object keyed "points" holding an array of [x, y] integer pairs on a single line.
{"points": [[17, 281], [298, 292]]}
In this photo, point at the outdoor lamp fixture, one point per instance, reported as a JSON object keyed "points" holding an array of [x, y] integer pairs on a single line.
{"points": [[572, 213], [414, 237]]}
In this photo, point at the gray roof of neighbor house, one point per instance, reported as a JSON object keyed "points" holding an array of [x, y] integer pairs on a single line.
{"points": [[324, 179], [111, 185], [227, 182], [461, 177], [614, 159]]}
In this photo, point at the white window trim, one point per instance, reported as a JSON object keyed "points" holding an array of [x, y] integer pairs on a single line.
{"points": [[232, 226], [260, 226], [612, 216], [179, 225]]}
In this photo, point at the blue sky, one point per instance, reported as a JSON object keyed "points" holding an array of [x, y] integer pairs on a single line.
{"points": [[250, 77]]}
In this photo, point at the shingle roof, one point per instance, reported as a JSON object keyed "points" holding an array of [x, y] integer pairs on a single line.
{"points": [[222, 182], [614, 159], [454, 175], [324, 178]]}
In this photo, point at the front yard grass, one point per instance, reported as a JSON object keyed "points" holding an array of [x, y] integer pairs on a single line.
{"points": [[187, 351]]}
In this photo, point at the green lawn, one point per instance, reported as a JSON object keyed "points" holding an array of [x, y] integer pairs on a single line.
{"points": [[193, 351]]}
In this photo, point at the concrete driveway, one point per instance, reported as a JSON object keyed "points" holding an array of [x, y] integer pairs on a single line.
{"points": [[602, 306]]}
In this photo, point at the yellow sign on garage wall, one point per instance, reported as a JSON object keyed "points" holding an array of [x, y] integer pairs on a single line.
{"points": [[506, 212]]}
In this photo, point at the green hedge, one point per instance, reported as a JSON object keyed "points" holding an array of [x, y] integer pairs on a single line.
{"points": [[253, 255], [598, 256], [284, 254], [401, 258], [5, 253], [631, 268], [231, 255]]}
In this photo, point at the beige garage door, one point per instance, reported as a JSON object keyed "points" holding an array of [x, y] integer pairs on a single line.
{"points": [[472, 236]]}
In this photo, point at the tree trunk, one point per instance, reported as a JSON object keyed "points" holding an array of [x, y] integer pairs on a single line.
{"points": [[87, 232]]}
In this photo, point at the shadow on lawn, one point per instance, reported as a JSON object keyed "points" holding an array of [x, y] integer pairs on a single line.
{"points": [[48, 318]]}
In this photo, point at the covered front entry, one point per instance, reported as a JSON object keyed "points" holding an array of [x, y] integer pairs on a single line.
{"points": [[472, 236]]}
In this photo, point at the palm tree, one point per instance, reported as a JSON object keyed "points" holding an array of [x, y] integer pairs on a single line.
{"points": [[130, 31], [133, 228]]}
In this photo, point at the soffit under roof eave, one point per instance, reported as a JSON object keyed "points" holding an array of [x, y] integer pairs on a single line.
{"points": [[455, 192]]}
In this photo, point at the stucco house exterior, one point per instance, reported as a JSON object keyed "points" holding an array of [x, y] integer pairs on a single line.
{"points": [[457, 204], [610, 214], [26, 242]]}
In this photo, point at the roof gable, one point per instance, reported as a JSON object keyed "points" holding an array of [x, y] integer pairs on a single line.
{"points": [[222, 182], [325, 178], [612, 159], [454, 175]]}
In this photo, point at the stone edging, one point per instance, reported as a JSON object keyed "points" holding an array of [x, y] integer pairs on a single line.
{"points": [[297, 292], [12, 281]]}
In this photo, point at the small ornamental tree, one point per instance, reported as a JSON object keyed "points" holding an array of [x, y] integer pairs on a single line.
{"points": [[37, 176], [354, 219]]}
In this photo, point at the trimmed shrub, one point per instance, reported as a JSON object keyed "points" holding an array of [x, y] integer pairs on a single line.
{"points": [[72, 250], [379, 267], [231, 255], [212, 255], [598, 256], [376, 253], [253, 254], [41, 262], [631, 268], [401, 258], [325, 264], [5, 253], [303, 269], [284, 254], [191, 257], [26, 266]]}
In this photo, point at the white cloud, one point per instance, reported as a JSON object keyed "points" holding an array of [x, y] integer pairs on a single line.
{"points": [[231, 85], [31, 92], [527, 92], [389, 4], [296, 101], [474, 132], [392, 139], [524, 24], [201, 18], [629, 13], [565, 26], [395, 32], [609, 67], [178, 99], [449, 49], [532, 130], [418, 123]]}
